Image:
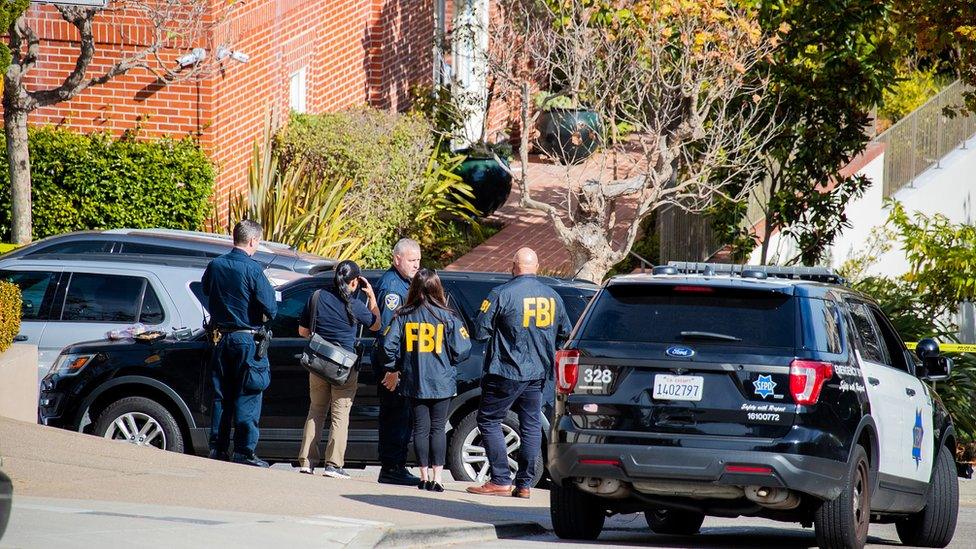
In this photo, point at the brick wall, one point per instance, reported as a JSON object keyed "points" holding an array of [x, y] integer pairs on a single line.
{"points": [[355, 52]]}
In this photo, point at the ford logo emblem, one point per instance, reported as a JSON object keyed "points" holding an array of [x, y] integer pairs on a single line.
{"points": [[680, 352]]}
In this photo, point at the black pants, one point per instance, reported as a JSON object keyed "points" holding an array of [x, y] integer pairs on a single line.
{"points": [[429, 436], [394, 427]]}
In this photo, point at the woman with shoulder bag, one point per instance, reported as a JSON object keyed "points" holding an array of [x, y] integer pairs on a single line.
{"points": [[423, 345], [337, 315]]}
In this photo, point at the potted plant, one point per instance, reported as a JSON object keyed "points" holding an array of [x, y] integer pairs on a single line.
{"points": [[490, 181], [567, 130]]}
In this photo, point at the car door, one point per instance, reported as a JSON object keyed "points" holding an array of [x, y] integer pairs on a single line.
{"points": [[917, 448], [37, 288], [92, 304], [885, 388]]}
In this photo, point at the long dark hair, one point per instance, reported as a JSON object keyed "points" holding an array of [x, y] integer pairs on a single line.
{"points": [[345, 272], [427, 291]]}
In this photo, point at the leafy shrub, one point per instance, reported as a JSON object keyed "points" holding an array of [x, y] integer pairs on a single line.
{"points": [[913, 88], [95, 181], [9, 314]]}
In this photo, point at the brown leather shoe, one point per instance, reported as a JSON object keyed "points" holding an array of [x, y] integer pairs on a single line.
{"points": [[489, 489], [523, 493]]}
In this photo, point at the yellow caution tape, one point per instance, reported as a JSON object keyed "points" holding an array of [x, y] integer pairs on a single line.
{"points": [[949, 347]]}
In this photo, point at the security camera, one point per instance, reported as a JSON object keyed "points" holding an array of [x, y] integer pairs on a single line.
{"points": [[240, 56], [223, 52], [195, 56]]}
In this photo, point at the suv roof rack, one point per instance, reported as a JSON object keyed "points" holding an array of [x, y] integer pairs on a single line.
{"points": [[816, 274]]}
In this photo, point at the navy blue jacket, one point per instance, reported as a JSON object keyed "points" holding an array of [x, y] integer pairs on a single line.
{"points": [[391, 292], [425, 346], [239, 295], [523, 318], [332, 321]]}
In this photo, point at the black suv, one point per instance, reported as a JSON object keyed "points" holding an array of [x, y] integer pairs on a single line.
{"points": [[160, 393], [769, 392], [169, 242]]}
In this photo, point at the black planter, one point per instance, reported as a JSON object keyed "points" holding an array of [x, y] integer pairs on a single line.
{"points": [[571, 135], [490, 183]]}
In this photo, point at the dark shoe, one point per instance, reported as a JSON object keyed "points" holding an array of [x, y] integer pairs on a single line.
{"points": [[332, 471], [399, 476], [251, 460], [489, 489], [523, 493], [424, 485], [219, 456], [435, 487]]}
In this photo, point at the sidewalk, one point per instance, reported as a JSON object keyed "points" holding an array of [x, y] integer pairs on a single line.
{"points": [[88, 486]]}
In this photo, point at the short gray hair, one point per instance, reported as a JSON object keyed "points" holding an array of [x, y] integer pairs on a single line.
{"points": [[405, 244], [245, 230]]}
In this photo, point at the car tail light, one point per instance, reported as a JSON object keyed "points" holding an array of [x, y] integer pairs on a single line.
{"points": [[694, 289], [606, 462], [749, 469], [807, 378], [567, 370]]}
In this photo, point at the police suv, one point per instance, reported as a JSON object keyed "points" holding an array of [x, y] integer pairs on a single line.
{"points": [[758, 391]]}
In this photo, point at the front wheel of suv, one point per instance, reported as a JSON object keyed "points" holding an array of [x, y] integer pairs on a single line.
{"points": [[842, 523], [934, 525], [467, 459], [575, 514], [140, 421], [674, 522]]}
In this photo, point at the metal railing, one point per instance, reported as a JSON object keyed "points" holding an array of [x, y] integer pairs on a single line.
{"points": [[921, 139], [685, 236]]}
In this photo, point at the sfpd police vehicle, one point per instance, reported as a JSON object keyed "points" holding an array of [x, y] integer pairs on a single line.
{"points": [[769, 392]]}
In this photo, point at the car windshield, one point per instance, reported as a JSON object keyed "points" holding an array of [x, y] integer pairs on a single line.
{"points": [[655, 313]]}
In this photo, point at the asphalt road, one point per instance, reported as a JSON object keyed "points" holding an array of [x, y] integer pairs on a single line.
{"points": [[630, 530]]}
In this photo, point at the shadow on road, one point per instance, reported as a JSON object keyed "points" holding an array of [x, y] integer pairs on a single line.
{"points": [[474, 509], [715, 537]]}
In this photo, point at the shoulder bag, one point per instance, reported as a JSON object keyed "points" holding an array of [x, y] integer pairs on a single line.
{"points": [[324, 359]]}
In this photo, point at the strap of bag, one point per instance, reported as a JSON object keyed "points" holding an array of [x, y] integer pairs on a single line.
{"points": [[313, 306]]}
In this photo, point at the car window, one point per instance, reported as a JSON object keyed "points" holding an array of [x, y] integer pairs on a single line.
{"points": [[891, 341], [285, 323], [34, 288], [666, 314], [871, 346], [93, 297], [470, 294], [152, 309], [576, 300], [821, 325], [76, 247], [152, 249]]}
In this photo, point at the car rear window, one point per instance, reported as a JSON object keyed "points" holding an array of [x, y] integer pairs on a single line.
{"points": [[692, 314]]}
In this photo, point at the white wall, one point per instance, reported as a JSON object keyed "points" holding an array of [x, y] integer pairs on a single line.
{"points": [[949, 189]]}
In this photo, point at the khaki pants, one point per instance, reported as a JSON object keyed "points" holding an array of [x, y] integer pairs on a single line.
{"points": [[326, 397]]}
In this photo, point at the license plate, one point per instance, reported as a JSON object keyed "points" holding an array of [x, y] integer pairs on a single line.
{"points": [[668, 387]]}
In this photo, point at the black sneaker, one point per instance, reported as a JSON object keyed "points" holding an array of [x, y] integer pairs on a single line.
{"points": [[399, 476], [332, 471], [252, 460], [219, 456]]}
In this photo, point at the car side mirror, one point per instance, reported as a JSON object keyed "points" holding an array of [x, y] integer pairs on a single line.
{"points": [[937, 368], [927, 348]]}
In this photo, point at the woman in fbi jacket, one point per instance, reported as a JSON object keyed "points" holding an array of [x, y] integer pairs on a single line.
{"points": [[423, 344]]}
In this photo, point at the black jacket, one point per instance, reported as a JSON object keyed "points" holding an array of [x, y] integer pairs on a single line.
{"points": [[425, 346]]}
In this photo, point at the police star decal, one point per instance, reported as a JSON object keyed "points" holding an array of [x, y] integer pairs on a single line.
{"points": [[765, 386]]}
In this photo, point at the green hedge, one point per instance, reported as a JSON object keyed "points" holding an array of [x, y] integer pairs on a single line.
{"points": [[385, 156], [95, 181], [9, 314]]}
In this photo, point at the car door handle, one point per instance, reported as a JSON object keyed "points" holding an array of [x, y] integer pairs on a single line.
{"points": [[909, 392], [874, 381], [20, 337]]}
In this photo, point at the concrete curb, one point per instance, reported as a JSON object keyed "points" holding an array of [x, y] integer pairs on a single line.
{"points": [[388, 537]]}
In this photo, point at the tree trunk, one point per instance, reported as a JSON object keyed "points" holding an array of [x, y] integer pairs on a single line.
{"points": [[767, 226], [18, 161]]}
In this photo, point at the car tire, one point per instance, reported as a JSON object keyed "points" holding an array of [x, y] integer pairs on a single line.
{"points": [[843, 522], [674, 522], [575, 514], [140, 421], [466, 456], [934, 525]]}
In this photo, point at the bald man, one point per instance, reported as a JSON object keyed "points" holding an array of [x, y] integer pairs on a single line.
{"points": [[523, 319]]}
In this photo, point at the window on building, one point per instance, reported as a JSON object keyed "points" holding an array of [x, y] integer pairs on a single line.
{"points": [[297, 90]]}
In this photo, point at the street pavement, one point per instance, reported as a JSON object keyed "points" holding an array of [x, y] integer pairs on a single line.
{"points": [[73, 490]]}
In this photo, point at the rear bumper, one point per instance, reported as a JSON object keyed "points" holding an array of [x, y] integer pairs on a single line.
{"points": [[823, 478]]}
